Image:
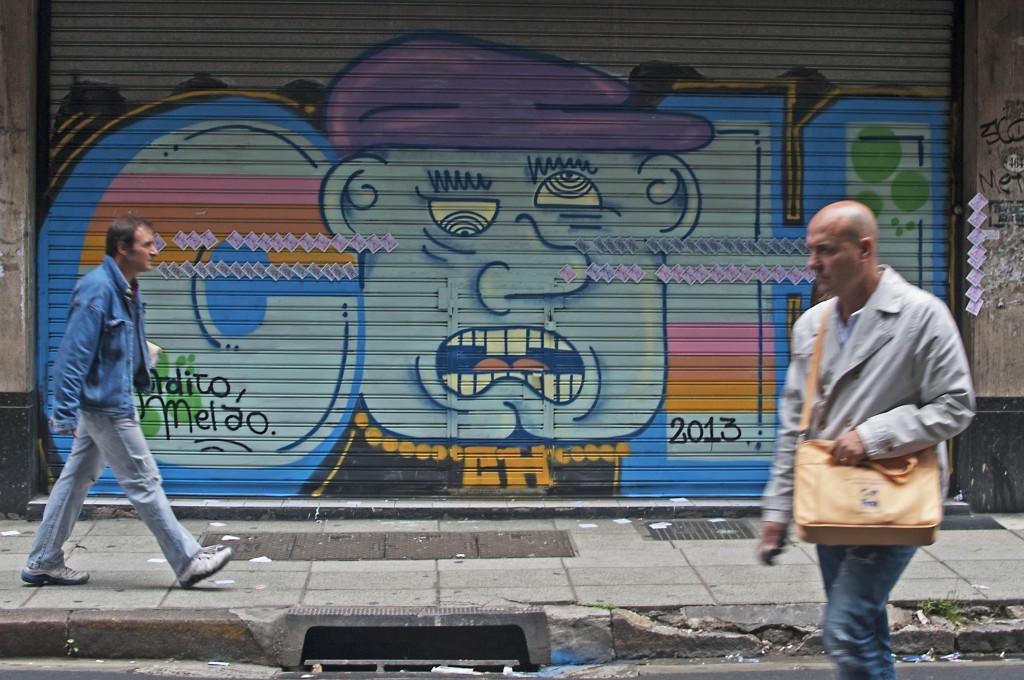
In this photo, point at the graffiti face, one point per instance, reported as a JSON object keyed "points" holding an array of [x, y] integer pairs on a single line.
{"points": [[475, 265], [492, 259]]}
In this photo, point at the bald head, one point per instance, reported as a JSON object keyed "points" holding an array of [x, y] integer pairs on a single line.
{"points": [[853, 219], [842, 239]]}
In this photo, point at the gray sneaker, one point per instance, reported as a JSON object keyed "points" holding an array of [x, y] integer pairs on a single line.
{"points": [[62, 576], [207, 562]]}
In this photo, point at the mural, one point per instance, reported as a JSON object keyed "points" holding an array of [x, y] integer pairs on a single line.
{"points": [[472, 267]]}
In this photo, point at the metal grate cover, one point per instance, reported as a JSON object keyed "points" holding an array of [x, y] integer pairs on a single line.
{"points": [[969, 523], [399, 545], [700, 530]]}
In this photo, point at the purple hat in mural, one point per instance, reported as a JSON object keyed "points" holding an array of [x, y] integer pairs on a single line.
{"points": [[452, 91]]}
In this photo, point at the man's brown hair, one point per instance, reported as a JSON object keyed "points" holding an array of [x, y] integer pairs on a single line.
{"points": [[122, 230]]}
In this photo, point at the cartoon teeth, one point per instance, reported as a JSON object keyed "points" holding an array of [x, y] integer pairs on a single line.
{"points": [[475, 359]]}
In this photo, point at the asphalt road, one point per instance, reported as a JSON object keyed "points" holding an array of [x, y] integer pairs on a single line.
{"points": [[81, 669]]}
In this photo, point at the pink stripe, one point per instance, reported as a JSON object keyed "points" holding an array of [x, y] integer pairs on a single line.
{"points": [[718, 338], [162, 188]]}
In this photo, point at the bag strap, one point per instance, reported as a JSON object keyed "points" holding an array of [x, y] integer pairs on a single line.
{"points": [[907, 463], [812, 376]]}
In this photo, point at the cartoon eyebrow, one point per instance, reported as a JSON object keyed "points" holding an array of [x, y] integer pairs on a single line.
{"points": [[542, 167], [447, 180]]}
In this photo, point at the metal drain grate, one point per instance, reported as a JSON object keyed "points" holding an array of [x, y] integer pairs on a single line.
{"points": [[414, 638], [700, 530], [399, 545], [969, 523]]}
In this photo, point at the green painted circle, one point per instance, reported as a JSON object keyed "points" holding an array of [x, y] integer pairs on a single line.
{"points": [[872, 200], [910, 191], [875, 154]]}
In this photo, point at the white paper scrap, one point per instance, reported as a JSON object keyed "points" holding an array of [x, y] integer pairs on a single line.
{"points": [[224, 582], [229, 537], [660, 525], [156, 560], [217, 524], [716, 519], [622, 520], [262, 558], [10, 533], [588, 526], [680, 500]]}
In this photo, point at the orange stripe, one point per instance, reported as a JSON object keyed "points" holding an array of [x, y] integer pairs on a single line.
{"points": [[724, 384], [220, 220]]}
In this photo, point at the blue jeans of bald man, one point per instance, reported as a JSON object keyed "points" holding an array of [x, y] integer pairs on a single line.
{"points": [[118, 442], [855, 632]]}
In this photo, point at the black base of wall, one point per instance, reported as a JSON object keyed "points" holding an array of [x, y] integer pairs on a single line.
{"points": [[19, 460], [989, 464]]}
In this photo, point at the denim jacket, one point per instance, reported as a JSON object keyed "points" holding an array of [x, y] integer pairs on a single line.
{"points": [[98, 366]]}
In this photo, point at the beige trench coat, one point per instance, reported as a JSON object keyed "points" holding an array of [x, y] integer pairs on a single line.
{"points": [[902, 381]]}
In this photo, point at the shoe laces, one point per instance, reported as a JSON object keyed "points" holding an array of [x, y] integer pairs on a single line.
{"points": [[67, 573]]}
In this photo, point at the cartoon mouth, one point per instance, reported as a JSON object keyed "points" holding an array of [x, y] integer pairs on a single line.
{"points": [[474, 360]]}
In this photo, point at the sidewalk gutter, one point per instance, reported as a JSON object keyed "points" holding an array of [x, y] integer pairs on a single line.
{"points": [[577, 635]]}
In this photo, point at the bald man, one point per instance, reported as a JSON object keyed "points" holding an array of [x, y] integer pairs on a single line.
{"points": [[893, 379]]}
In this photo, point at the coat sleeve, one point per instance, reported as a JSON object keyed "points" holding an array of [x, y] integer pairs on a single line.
{"points": [[74, 359], [945, 396], [777, 500]]}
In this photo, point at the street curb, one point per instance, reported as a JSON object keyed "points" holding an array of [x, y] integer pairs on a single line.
{"points": [[203, 634], [578, 635]]}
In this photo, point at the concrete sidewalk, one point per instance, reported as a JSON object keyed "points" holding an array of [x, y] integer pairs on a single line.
{"points": [[609, 579]]}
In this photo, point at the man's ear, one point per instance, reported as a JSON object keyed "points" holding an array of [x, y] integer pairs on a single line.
{"points": [[350, 193], [867, 247]]}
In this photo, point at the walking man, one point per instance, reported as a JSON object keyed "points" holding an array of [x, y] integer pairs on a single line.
{"points": [[102, 360], [893, 379]]}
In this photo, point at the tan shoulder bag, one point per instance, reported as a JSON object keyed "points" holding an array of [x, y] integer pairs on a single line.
{"points": [[893, 501]]}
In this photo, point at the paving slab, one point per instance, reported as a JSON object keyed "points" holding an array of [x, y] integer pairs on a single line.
{"points": [[616, 566]]}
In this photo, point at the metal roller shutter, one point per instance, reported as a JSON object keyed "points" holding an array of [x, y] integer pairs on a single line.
{"points": [[428, 248]]}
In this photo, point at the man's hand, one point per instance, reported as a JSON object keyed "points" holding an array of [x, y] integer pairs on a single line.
{"points": [[74, 432], [773, 538], [848, 449]]}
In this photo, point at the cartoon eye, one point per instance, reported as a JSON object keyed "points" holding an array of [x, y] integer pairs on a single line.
{"points": [[568, 188], [463, 218]]}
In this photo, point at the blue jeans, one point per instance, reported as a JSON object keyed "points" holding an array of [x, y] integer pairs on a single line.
{"points": [[117, 442], [858, 580]]}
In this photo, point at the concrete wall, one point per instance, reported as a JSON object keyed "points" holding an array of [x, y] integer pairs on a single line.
{"points": [[991, 470], [18, 398]]}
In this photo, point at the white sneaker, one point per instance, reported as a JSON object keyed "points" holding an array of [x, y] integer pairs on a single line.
{"points": [[207, 562]]}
